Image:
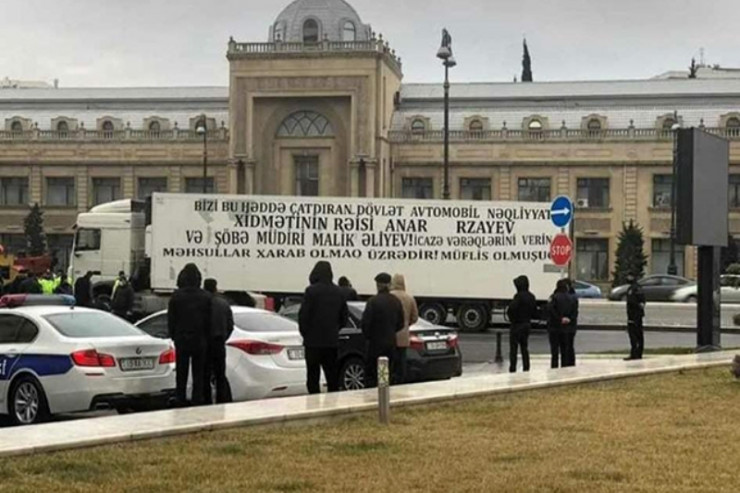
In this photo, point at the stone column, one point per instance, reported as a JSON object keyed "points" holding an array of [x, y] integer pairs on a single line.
{"points": [[250, 187], [370, 167], [354, 178], [232, 176]]}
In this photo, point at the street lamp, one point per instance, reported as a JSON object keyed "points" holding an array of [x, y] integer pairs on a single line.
{"points": [[448, 60], [672, 267], [201, 128]]}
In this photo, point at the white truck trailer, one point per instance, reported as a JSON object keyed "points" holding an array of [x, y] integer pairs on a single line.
{"points": [[458, 257]]}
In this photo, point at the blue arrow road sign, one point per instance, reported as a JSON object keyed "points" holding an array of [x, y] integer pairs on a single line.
{"points": [[561, 211]]}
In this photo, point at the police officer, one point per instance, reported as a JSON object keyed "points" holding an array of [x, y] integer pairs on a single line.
{"points": [[635, 314]]}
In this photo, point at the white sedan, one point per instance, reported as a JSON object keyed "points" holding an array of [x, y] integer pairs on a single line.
{"points": [[264, 355], [62, 359]]}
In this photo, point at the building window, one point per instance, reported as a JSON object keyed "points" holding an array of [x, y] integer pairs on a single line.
{"points": [[593, 193], [147, 186], [535, 129], [195, 185], [306, 176], [475, 188], [62, 129], [594, 127], [668, 124], [16, 127], [13, 243], [417, 188], [60, 192], [13, 191], [592, 259], [418, 126], [733, 126], [476, 126], [662, 191], [106, 190], [661, 257], [734, 191], [278, 33], [534, 190], [305, 124], [154, 128], [349, 33], [310, 31], [107, 128]]}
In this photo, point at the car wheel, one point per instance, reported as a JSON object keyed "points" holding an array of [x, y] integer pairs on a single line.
{"points": [[433, 313], [352, 374], [27, 404], [473, 318]]}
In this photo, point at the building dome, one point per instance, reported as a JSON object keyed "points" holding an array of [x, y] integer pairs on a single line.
{"points": [[310, 21]]}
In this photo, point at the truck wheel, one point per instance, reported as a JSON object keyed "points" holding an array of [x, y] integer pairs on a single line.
{"points": [[433, 313], [473, 318]]}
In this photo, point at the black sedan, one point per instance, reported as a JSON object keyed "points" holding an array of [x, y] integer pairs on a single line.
{"points": [[434, 353], [659, 287]]}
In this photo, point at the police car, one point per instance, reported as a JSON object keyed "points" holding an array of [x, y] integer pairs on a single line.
{"points": [[63, 359]]}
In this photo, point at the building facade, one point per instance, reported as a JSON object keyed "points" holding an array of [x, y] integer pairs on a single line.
{"points": [[320, 109]]}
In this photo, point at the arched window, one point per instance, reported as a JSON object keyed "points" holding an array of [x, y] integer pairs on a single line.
{"points": [[535, 129], [668, 123], [107, 128], [16, 127], [418, 126], [277, 32], [310, 31], [594, 127], [733, 126], [349, 32], [154, 128], [476, 126], [305, 124], [62, 129]]}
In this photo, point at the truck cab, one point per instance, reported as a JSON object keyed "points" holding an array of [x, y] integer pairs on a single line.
{"points": [[110, 238]]}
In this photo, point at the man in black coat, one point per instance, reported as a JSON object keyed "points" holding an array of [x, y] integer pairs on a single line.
{"points": [[83, 290], [123, 299], [222, 325], [382, 318], [562, 312], [189, 325], [521, 312], [322, 315], [350, 293], [635, 314], [31, 285]]}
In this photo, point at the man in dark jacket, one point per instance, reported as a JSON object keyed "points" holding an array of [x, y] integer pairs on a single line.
{"points": [[322, 315], [350, 293], [31, 285], [635, 314], [222, 325], [189, 324], [381, 320], [64, 286], [83, 290], [123, 299], [562, 311], [521, 312], [572, 328]]}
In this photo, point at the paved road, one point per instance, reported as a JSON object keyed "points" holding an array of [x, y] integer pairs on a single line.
{"points": [[480, 348]]}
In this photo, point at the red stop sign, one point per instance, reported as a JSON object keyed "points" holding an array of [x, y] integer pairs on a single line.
{"points": [[561, 250]]}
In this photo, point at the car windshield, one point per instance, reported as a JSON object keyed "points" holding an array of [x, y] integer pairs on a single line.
{"points": [[264, 322], [84, 325]]}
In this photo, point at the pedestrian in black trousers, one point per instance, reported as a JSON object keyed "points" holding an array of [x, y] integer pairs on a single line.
{"points": [[521, 312], [322, 315], [189, 324], [572, 328], [381, 321], [635, 315], [222, 325], [562, 310]]}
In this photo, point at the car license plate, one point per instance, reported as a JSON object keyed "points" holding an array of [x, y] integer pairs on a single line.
{"points": [[137, 364], [296, 354], [437, 346]]}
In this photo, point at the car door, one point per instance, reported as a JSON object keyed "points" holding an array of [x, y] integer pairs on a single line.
{"points": [[651, 287], [668, 286], [13, 342]]}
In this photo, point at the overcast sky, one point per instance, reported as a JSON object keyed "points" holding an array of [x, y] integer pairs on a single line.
{"points": [[183, 42]]}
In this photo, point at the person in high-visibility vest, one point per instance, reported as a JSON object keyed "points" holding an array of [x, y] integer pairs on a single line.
{"points": [[121, 278], [47, 283]]}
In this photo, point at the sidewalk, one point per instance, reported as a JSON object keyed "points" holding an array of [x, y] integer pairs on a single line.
{"points": [[115, 429]]}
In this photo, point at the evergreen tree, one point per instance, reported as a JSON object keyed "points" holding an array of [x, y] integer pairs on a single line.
{"points": [[33, 226], [730, 254], [631, 258], [693, 69], [526, 65]]}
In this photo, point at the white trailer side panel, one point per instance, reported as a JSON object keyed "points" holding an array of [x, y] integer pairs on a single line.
{"points": [[445, 249]]}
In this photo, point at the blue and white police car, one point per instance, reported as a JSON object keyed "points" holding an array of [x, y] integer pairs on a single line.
{"points": [[64, 359]]}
